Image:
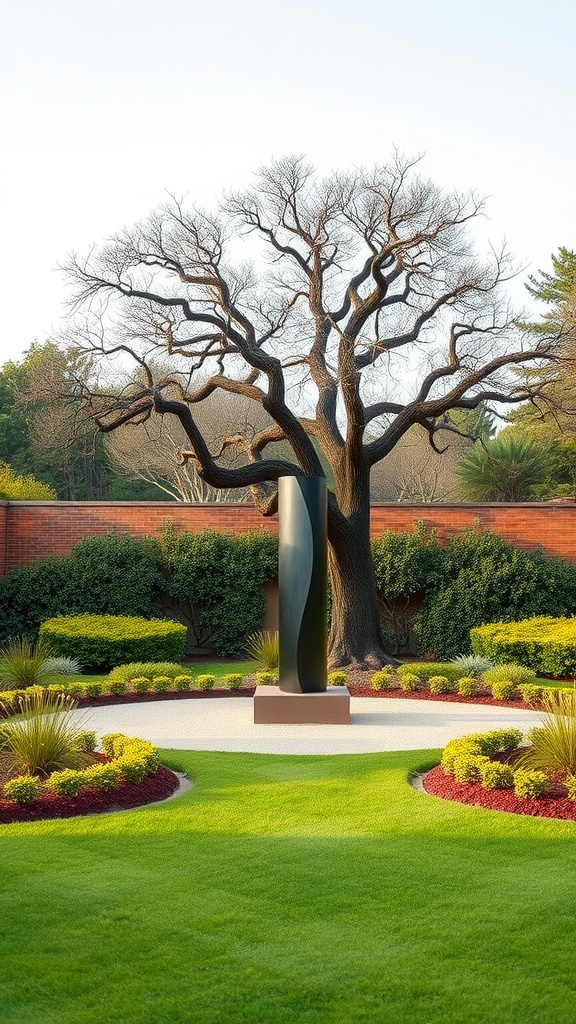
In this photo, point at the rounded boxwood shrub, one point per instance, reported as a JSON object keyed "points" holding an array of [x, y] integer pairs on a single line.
{"points": [[183, 683], [517, 674], [495, 775], [140, 684], [409, 682], [440, 684], [529, 783], [382, 679], [68, 782], [233, 681], [161, 684], [23, 789], [206, 682], [467, 686], [337, 679], [145, 669], [503, 690], [107, 640]]}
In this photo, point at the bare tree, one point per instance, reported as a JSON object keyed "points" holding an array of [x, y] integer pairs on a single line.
{"points": [[413, 471], [374, 315], [150, 450]]}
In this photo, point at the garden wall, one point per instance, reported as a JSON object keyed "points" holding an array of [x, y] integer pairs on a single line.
{"points": [[36, 529]]}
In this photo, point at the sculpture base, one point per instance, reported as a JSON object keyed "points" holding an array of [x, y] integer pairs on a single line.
{"points": [[273, 706]]}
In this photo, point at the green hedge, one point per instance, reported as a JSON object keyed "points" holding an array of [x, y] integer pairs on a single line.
{"points": [[114, 575], [107, 640], [545, 644], [476, 578]]}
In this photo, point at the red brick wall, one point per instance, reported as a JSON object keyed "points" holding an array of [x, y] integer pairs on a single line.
{"points": [[34, 529]]}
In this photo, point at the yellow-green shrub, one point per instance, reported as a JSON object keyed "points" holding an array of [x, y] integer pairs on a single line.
{"points": [[440, 684], [106, 640], [382, 679], [545, 644]]}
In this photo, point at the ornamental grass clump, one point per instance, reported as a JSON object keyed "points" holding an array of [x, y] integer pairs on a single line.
{"points": [[264, 648], [471, 664], [64, 666], [24, 663], [44, 737], [511, 673], [553, 742]]}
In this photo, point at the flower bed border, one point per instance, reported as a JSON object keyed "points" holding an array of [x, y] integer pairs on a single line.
{"points": [[437, 783]]}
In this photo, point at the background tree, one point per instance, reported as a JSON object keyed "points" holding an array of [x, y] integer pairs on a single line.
{"points": [[375, 315]]}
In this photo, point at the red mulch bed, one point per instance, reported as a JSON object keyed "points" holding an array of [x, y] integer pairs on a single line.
{"points": [[356, 690], [93, 801], [554, 803]]}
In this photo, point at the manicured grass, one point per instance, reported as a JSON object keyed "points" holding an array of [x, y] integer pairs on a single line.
{"points": [[321, 890]]}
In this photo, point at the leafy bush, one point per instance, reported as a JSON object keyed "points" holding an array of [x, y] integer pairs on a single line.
{"points": [[503, 690], [469, 767], [529, 784], [440, 684], [206, 682], [102, 776], [132, 767], [161, 684], [117, 687], [23, 663], [101, 575], [265, 679], [183, 683], [23, 789], [498, 740], [264, 648], [454, 749], [14, 487], [221, 578], [545, 644], [75, 689], [517, 674], [382, 679], [93, 689], [108, 741], [479, 578], [106, 640], [337, 679], [495, 775], [530, 693], [468, 686], [553, 743], [409, 682], [86, 741], [44, 737], [66, 782], [233, 681], [147, 669], [140, 684]]}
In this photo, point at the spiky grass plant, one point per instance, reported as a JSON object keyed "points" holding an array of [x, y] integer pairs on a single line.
{"points": [[264, 648], [44, 736], [64, 667], [553, 743], [24, 663], [472, 664]]}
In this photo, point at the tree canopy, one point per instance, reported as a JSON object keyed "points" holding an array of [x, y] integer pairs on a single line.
{"points": [[367, 311]]}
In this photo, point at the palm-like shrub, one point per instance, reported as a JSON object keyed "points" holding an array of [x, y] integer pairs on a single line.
{"points": [[553, 748], [504, 469], [264, 647], [24, 663], [44, 737]]}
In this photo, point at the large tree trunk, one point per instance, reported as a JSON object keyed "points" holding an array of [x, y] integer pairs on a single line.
{"points": [[355, 637]]}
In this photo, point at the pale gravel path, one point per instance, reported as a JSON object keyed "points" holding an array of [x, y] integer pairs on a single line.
{"points": [[226, 723]]}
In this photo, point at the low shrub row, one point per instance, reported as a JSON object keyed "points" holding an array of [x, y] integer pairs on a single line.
{"points": [[131, 761], [471, 759], [503, 682]]}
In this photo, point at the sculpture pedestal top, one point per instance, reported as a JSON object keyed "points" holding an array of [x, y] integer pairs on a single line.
{"points": [[273, 706]]}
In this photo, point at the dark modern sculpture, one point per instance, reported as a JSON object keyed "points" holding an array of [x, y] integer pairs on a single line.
{"points": [[302, 575], [302, 697]]}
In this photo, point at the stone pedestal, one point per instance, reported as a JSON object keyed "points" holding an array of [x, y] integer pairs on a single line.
{"points": [[273, 706]]}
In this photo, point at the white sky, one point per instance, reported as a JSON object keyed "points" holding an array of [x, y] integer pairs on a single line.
{"points": [[106, 104]]}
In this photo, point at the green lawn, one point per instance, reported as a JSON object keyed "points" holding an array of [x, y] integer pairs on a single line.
{"points": [[293, 890]]}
